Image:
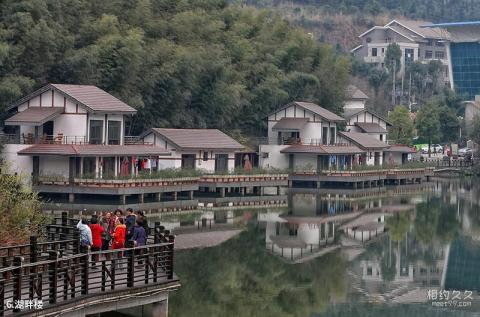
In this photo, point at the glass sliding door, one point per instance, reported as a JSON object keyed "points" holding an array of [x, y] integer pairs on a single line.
{"points": [[114, 132], [96, 131]]}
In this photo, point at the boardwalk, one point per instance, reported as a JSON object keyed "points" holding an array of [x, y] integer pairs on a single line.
{"points": [[61, 279]]}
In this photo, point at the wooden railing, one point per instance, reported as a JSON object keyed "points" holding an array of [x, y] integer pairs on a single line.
{"points": [[118, 183], [243, 178], [59, 280], [56, 279]]}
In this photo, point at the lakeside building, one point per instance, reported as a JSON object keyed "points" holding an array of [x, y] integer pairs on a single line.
{"points": [[72, 131], [416, 43], [206, 149], [305, 136]]}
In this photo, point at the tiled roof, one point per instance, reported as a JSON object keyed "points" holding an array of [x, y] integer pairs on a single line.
{"points": [[93, 150], [350, 112], [370, 127], [322, 112], [364, 140], [211, 139], [419, 28], [401, 149], [34, 116], [290, 124], [323, 149], [91, 97], [354, 93]]}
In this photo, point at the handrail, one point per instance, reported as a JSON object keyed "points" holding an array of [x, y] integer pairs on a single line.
{"points": [[61, 280]]}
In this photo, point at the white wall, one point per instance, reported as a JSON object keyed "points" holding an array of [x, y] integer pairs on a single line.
{"points": [[70, 125], [305, 162], [17, 163], [59, 100], [175, 160], [312, 130], [309, 233], [275, 158], [355, 104], [54, 165], [366, 117]]}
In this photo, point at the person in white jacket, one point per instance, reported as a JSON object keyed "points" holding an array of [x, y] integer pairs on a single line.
{"points": [[85, 233]]}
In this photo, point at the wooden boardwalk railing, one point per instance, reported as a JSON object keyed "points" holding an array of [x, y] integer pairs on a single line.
{"points": [[57, 272]]}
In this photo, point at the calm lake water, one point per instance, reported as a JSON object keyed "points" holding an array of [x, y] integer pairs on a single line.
{"points": [[377, 252]]}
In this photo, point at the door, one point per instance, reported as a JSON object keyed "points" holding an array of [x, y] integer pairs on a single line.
{"points": [[221, 162], [291, 162], [108, 167], [377, 158], [48, 129], [188, 161]]}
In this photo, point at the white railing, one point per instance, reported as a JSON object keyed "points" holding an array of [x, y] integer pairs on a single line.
{"points": [[63, 139]]}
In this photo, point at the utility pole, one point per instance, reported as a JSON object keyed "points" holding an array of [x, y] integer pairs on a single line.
{"points": [[410, 92], [394, 98]]}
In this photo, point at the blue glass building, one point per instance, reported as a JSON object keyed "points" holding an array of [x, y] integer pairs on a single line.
{"points": [[465, 59], [464, 56]]}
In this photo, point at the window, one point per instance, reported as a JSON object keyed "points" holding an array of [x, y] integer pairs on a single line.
{"points": [[428, 54], [429, 42], [325, 135], [439, 55], [381, 137], [205, 156], [383, 51], [96, 131], [409, 55], [332, 135], [439, 44], [374, 51], [114, 132]]}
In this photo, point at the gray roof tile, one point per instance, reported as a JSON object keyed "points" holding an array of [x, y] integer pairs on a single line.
{"points": [[34, 116], [364, 140], [211, 139]]}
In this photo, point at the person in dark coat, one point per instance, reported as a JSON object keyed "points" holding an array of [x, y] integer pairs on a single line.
{"points": [[139, 234], [141, 216], [130, 223]]}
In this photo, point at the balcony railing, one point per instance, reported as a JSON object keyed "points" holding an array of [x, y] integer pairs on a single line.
{"points": [[63, 139], [293, 141]]}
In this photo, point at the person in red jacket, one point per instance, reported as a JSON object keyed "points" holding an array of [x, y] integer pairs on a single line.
{"points": [[97, 231], [118, 236]]}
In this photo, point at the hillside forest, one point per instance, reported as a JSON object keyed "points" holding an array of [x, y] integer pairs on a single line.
{"points": [[206, 63]]}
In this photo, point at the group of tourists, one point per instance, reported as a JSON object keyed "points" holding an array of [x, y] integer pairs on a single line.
{"points": [[113, 230]]}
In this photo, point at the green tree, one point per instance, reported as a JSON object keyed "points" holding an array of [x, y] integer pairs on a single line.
{"points": [[377, 78], [393, 58], [20, 210], [402, 129], [449, 124], [428, 124]]}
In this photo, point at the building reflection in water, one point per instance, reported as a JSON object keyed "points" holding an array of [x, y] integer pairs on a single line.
{"points": [[400, 246]]}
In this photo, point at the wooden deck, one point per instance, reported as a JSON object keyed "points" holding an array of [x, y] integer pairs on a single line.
{"points": [[54, 280], [362, 179]]}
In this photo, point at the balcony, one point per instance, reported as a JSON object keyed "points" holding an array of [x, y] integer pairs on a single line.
{"points": [[63, 139], [293, 141], [374, 59]]}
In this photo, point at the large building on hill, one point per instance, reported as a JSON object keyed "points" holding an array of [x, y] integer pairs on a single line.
{"points": [[462, 42], [416, 42]]}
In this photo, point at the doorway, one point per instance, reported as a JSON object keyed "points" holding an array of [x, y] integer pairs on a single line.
{"points": [[221, 162], [47, 128], [188, 161]]}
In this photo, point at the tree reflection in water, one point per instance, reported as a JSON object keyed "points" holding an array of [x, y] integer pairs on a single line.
{"points": [[393, 270]]}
